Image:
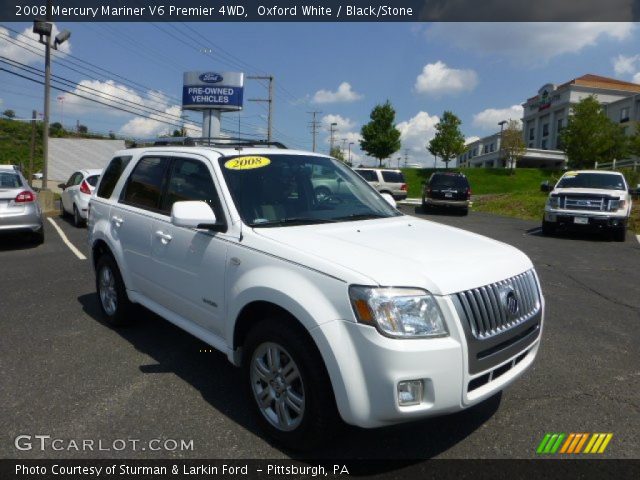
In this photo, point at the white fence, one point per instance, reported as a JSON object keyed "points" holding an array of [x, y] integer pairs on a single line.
{"points": [[634, 164]]}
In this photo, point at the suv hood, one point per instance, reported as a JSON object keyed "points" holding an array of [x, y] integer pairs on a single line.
{"points": [[400, 251]]}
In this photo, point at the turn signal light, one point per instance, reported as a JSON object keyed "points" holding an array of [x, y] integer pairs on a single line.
{"points": [[25, 197], [84, 187]]}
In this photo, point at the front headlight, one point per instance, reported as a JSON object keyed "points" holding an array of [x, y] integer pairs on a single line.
{"points": [[398, 312], [553, 202]]}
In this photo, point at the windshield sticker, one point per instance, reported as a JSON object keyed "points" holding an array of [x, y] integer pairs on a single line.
{"points": [[246, 163], [570, 174]]}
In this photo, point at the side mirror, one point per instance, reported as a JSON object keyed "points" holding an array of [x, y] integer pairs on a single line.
{"points": [[389, 199], [192, 214], [545, 186], [62, 185]]}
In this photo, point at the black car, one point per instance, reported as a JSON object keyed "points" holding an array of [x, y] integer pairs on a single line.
{"points": [[447, 189]]}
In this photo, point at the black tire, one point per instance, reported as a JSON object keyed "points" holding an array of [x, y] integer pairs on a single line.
{"points": [[38, 236], [77, 219], [548, 228], [319, 417], [63, 212], [120, 312], [426, 208], [619, 234], [464, 212]]}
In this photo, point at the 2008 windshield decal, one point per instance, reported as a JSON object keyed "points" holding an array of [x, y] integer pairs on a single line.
{"points": [[246, 163]]}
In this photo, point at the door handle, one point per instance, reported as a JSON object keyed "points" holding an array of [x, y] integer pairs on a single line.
{"points": [[164, 238], [117, 221]]}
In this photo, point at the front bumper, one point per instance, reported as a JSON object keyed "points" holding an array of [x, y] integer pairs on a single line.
{"points": [[585, 219], [365, 368]]}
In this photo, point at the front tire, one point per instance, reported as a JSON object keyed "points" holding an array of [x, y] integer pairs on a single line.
{"points": [[548, 228], [112, 294], [289, 386], [620, 234]]}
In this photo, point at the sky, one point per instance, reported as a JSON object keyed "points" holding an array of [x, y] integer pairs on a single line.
{"points": [[482, 72]]}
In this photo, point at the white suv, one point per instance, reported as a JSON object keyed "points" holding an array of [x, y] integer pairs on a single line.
{"points": [[335, 306]]}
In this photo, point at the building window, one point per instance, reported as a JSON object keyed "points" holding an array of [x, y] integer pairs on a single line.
{"points": [[624, 114], [544, 144], [560, 126], [545, 130], [532, 133]]}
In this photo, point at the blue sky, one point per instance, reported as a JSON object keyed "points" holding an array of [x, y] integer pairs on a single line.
{"points": [[482, 72]]}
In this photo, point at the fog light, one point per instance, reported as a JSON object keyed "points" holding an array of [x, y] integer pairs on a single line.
{"points": [[410, 392]]}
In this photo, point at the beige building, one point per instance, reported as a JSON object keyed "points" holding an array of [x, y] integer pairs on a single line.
{"points": [[545, 115]]}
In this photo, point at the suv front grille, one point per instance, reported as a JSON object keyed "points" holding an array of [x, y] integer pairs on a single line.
{"points": [[500, 306], [597, 204]]}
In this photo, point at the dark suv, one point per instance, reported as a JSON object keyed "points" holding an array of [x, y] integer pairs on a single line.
{"points": [[447, 189]]}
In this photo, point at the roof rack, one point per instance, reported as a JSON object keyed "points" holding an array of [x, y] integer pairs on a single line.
{"points": [[228, 142]]}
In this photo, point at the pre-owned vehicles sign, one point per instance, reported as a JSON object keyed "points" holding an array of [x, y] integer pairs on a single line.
{"points": [[213, 90]]}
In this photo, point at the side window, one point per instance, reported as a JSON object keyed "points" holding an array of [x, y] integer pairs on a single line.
{"points": [[190, 180], [368, 175], [144, 186], [111, 175]]}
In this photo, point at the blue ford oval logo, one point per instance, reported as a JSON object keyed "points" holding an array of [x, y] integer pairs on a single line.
{"points": [[210, 77]]}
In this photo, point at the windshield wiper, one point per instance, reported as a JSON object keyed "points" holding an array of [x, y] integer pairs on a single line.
{"points": [[361, 216], [292, 221]]}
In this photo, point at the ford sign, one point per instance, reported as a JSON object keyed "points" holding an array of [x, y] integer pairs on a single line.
{"points": [[210, 77]]}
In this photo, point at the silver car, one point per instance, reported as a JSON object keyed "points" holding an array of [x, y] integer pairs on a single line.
{"points": [[385, 181], [19, 208]]}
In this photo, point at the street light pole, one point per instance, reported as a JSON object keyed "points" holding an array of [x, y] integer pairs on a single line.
{"points": [[502, 124], [331, 132], [350, 143]]}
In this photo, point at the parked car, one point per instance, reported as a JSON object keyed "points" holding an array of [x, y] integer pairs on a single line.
{"points": [[589, 199], [337, 307], [76, 192], [385, 181], [19, 208], [447, 189]]}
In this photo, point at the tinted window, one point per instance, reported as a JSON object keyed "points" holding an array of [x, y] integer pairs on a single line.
{"points": [[449, 181], [592, 180], [93, 180], [368, 175], [10, 180], [191, 180], [144, 186], [111, 175], [393, 177]]}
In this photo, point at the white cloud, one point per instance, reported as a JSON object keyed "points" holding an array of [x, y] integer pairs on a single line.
{"points": [[488, 119], [14, 49], [108, 92], [343, 124], [624, 64], [471, 139], [416, 132], [438, 79], [140, 127], [344, 94], [528, 43], [636, 78]]}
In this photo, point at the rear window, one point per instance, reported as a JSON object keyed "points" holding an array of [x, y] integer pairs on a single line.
{"points": [[111, 175], [144, 186], [451, 181], [93, 180], [10, 180], [393, 177]]}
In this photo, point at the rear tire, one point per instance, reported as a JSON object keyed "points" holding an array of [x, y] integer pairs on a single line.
{"points": [[288, 385], [112, 294], [619, 234], [63, 212], [77, 219], [464, 212], [548, 228], [38, 236]]}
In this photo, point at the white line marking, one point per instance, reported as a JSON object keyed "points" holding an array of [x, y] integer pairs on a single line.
{"points": [[535, 230], [638, 238], [71, 246]]}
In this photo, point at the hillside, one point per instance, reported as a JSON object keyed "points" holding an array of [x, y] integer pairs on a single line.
{"points": [[15, 143]]}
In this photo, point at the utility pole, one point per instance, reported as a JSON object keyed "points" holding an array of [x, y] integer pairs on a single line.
{"points": [[314, 127], [406, 157], [47, 91], [32, 150], [332, 130], [267, 100]]}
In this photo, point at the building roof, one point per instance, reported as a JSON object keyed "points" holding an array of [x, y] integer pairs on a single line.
{"points": [[598, 81]]}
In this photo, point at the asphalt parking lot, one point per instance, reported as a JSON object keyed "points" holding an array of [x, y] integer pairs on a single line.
{"points": [[66, 374]]}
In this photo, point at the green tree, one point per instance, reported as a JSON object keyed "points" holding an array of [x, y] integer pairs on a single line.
{"points": [[177, 133], [56, 129], [337, 153], [512, 146], [83, 129], [10, 114], [448, 141], [590, 136], [380, 137]]}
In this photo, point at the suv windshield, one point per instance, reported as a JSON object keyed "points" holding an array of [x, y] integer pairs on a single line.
{"points": [[448, 181], [604, 181], [280, 189]]}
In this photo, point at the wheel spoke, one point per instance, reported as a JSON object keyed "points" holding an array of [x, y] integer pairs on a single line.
{"points": [[264, 398], [294, 401], [284, 418], [262, 371], [290, 372], [273, 359]]}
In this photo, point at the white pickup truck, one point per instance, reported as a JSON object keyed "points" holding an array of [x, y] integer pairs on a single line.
{"points": [[593, 199]]}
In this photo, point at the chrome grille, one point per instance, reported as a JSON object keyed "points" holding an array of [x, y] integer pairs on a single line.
{"points": [[486, 308], [592, 204]]}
